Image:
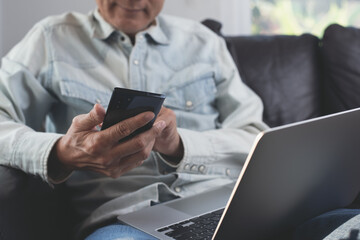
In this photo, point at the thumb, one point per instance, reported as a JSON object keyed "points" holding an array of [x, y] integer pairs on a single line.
{"points": [[86, 122]]}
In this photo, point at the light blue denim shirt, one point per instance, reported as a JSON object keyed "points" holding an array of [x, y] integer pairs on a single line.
{"points": [[67, 63]]}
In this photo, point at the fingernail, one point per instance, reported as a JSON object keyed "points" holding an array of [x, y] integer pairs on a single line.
{"points": [[95, 107], [149, 116], [160, 125]]}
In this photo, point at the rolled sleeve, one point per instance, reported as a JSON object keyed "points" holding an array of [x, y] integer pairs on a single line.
{"points": [[198, 150], [25, 149], [31, 152], [219, 152]]}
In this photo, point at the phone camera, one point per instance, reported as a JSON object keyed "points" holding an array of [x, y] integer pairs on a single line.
{"points": [[118, 104]]}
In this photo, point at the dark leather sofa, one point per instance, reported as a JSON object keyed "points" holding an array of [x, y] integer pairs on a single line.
{"points": [[298, 77]]}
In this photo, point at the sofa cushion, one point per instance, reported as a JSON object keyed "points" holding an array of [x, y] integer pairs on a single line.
{"points": [[284, 72], [341, 59]]}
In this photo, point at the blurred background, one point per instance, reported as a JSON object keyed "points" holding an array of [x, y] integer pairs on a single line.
{"points": [[299, 16], [237, 16]]}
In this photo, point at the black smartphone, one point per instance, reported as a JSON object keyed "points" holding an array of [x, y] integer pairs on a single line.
{"points": [[126, 103]]}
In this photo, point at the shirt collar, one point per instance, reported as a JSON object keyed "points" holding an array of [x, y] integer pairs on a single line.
{"points": [[102, 29], [157, 33]]}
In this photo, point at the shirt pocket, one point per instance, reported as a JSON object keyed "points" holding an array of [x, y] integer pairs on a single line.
{"points": [[81, 96], [196, 95], [194, 103]]}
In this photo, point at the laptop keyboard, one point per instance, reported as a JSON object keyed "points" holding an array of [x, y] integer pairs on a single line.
{"points": [[200, 227]]}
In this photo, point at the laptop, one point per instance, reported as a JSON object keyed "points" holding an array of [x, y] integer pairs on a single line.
{"points": [[293, 173]]}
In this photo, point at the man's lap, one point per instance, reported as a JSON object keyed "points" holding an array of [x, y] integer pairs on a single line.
{"points": [[340, 224]]}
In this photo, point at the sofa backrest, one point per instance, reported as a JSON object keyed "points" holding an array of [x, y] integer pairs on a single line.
{"points": [[341, 63], [284, 72], [299, 77]]}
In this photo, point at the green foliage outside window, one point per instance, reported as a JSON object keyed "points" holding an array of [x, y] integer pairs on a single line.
{"points": [[300, 16]]}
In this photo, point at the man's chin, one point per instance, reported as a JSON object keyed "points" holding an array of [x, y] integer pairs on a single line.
{"points": [[130, 28]]}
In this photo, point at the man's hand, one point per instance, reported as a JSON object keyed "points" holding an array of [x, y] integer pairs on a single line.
{"points": [[84, 147], [169, 142]]}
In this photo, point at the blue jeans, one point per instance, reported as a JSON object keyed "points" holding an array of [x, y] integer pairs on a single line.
{"points": [[340, 224], [119, 232]]}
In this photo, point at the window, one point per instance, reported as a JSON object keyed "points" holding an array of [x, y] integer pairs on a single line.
{"points": [[300, 16]]}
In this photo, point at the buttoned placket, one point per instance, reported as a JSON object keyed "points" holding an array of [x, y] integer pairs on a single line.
{"points": [[135, 64]]}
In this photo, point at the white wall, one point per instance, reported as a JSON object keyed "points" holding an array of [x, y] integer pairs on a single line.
{"points": [[235, 15], [1, 28], [18, 16]]}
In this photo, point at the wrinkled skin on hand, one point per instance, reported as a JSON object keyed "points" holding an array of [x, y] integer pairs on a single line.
{"points": [[84, 147]]}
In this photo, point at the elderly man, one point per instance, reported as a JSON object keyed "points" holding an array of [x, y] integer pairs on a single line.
{"points": [[55, 84], [57, 81]]}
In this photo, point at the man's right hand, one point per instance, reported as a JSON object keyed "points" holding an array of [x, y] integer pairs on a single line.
{"points": [[84, 147]]}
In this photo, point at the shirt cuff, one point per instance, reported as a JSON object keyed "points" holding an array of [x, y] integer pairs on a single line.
{"points": [[198, 151], [32, 153], [166, 161]]}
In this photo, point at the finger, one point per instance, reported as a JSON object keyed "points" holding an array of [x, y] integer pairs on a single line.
{"points": [[126, 127], [89, 121], [162, 110], [158, 127], [138, 143], [140, 155], [139, 148], [121, 159], [166, 114]]}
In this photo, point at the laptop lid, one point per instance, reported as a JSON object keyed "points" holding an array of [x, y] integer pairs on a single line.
{"points": [[294, 173]]}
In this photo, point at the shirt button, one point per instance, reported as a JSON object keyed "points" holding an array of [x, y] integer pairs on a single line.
{"points": [[202, 169], [189, 104], [228, 172], [136, 62], [193, 168], [177, 189], [187, 167]]}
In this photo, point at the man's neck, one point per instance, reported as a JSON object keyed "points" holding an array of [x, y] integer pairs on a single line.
{"points": [[133, 36]]}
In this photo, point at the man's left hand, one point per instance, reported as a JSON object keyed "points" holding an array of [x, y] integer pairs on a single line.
{"points": [[169, 142]]}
